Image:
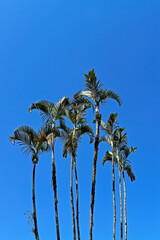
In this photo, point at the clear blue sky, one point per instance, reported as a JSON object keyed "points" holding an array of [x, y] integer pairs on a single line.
{"points": [[45, 48]]}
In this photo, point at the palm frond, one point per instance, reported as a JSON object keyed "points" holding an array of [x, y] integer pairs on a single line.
{"points": [[44, 107], [106, 138], [124, 148], [107, 157], [81, 101], [85, 129], [69, 145], [59, 109], [45, 130], [94, 86], [130, 173], [64, 128], [85, 93], [111, 94], [24, 141], [103, 125], [71, 116], [111, 123], [28, 131], [127, 150], [90, 79]]}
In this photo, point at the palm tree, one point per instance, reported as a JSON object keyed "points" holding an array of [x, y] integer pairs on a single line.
{"points": [[119, 140], [119, 153], [97, 95], [34, 143], [70, 138], [110, 128], [126, 166], [50, 113]]}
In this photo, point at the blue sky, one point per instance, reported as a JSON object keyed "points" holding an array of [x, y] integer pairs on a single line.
{"points": [[45, 48]]}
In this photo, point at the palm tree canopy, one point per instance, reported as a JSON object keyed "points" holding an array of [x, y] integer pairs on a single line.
{"points": [[95, 91], [49, 111], [125, 152], [70, 141], [30, 141], [70, 137], [77, 113]]}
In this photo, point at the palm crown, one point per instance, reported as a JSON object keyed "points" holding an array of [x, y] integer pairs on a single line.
{"points": [[31, 141], [95, 91], [125, 152], [49, 111], [70, 136]]}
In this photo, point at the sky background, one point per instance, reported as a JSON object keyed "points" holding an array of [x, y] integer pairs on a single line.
{"points": [[45, 48]]}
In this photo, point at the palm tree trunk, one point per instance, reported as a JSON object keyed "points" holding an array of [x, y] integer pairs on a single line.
{"points": [[125, 211], [35, 230], [120, 193], [72, 201], [54, 182], [96, 144], [77, 200], [114, 198]]}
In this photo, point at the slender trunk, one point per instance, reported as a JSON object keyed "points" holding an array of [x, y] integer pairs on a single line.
{"points": [[54, 182], [114, 198], [77, 200], [96, 144], [72, 201], [125, 211], [120, 193], [35, 230]]}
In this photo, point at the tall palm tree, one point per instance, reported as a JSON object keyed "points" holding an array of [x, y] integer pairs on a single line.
{"points": [[70, 139], [119, 140], [119, 155], [34, 143], [50, 113], [126, 167], [110, 128], [97, 95]]}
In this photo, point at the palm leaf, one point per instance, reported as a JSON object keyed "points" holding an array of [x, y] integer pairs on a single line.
{"points": [[111, 94], [85, 129], [28, 131], [106, 138], [107, 157], [24, 141], [45, 108], [59, 109], [111, 123], [130, 173], [80, 101], [69, 145], [86, 93]]}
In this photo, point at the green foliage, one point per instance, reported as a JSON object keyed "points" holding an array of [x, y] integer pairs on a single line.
{"points": [[30, 141], [51, 112], [70, 137], [94, 90]]}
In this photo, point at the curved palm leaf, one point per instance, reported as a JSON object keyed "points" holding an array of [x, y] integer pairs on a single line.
{"points": [[130, 172], [107, 157], [45, 108], [106, 94], [85, 129]]}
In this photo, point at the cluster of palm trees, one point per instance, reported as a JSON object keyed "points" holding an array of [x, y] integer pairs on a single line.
{"points": [[54, 126]]}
